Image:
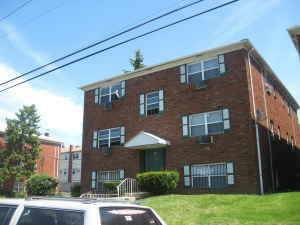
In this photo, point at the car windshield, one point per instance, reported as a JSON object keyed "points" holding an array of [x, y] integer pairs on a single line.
{"points": [[127, 216], [6, 212]]}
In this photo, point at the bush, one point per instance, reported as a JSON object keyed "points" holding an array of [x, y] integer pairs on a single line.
{"points": [[160, 182], [111, 185], [76, 190], [41, 185]]}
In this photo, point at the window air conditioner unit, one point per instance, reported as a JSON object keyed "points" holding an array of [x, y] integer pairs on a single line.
{"points": [[106, 150], [205, 140], [269, 89]]}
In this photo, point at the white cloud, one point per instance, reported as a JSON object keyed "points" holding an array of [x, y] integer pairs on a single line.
{"points": [[59, 114], [242, 17]]}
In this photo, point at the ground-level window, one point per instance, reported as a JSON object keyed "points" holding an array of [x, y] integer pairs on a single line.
{"points": [[6, 212], [127, 216], [104, 176], [38, 216], [215, 175]]}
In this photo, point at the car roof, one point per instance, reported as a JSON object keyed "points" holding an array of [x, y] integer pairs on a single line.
{"points": [[68, 203]]}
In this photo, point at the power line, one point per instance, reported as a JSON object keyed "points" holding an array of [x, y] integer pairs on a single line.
{"points": [[121, 43], [15, 10], [33, 19], [104, 40]]}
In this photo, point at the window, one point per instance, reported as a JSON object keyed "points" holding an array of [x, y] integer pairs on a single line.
{"points": [[109, 137], [208, 123], [75, 155], [272, 127], [73, 171], [103, 176], [127, 216], [66, 156], [93, 180], [203, 70], [152, 103], [6, 212], [38, 216], [108, 94], [65, 171], [217, 175]]}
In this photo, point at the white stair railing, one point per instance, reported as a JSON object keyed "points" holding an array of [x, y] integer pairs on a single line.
{"points": [[128, 187]]}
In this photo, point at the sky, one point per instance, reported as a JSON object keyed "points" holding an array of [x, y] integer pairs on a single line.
{"points": [[45, 30]]}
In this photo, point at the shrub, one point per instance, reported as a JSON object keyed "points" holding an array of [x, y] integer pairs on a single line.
{"points": [[111, 185], [160, 182], [41, 185], [76, 190]]}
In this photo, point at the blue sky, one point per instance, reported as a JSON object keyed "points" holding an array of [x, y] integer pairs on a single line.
{"points": [[44, 30]]}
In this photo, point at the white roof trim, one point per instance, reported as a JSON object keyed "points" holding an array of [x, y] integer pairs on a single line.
{"points": [[144, 140], [169, 64]]}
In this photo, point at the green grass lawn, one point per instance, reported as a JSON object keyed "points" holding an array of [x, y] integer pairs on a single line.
{"points": [[209, 209]]}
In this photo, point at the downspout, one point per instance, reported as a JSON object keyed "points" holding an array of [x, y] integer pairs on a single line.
{"points": [[261, 185]]}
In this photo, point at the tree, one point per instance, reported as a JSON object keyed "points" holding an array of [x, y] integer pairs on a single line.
{"points": [[22, 147], [137, 61]]}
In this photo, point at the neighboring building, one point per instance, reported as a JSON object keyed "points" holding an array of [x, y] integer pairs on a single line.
{"points": [[47, 162], [221, 118], [295, 35], [69, 167], [2, 140]]}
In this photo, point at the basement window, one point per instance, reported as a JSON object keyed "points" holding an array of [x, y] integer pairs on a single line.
{"points": [[215, 175]]}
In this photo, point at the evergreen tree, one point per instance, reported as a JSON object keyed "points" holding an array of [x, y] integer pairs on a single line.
{"points": [[22, 147], [137, 61]]}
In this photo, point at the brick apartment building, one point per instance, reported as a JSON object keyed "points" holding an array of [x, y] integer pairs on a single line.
{"points": [[47, 162], [295, 35], [221, 118], [69, 167]]}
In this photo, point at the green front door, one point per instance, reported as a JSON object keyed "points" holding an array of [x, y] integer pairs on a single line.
{"points": [[154, 159]]}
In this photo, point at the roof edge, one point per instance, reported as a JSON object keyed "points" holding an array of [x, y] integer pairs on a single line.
{"points": [[243, 44], [168, 64]]}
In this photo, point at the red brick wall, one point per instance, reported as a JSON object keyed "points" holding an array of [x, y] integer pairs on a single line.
{"points": [[2, 144], [274, 107], [48, 159], [229, 91]]}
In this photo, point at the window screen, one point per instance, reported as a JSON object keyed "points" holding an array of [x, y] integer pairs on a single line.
{"points": [[127, 216], [6, 212], [38, 216]]}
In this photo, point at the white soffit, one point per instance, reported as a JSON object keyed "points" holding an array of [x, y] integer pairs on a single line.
{"points": [[144, 140]]}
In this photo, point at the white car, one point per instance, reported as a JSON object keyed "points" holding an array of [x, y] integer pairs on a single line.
{"points": [[60, 211]]}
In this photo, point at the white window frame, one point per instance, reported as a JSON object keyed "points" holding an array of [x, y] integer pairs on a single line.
{"points": [[109, 136], [206, 123], [146, 101], [209, 175], [202, 70], [98, 94]]}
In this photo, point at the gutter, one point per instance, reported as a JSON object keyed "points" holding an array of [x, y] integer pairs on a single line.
{"points": [[261, 184]]}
